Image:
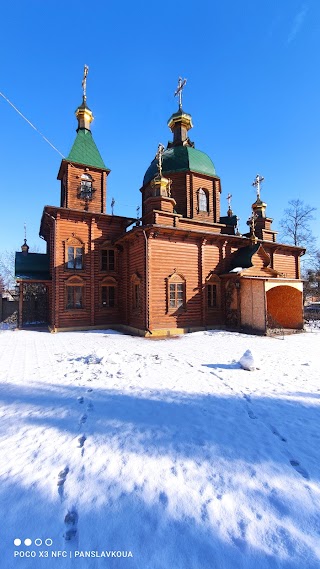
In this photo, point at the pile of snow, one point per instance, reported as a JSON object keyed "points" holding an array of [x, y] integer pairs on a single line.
{"points": [[247, 361], [123, 452]]}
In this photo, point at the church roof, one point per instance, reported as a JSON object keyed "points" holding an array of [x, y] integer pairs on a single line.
{"points": [[243, 257], [32, 266], [229, 220], [85, 151], [181, 159]]}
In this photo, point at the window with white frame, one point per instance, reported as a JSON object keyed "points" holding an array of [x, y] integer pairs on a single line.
{"points": [[202, 200], [75, 258], [86, 187], [176, 292]]}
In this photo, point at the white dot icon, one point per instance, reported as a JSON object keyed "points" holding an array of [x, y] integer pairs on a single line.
{"points": [[27, 541], [17, 542]]}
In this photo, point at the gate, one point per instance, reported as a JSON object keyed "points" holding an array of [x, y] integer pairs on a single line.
{"points": [[35, 304]]}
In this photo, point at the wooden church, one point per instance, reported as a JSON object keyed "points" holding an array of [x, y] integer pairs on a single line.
{"points": [[181, 267]]}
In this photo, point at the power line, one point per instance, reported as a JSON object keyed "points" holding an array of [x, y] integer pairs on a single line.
{"points": [[32, 125]]}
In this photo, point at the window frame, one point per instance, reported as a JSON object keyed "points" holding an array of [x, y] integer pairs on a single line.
{"points": [[108, 283], [176, 299], [73, 243], [86, 188], [212, 296], [71, 285], [213, 281], [106, 252], [202, 195], [72, 258]]}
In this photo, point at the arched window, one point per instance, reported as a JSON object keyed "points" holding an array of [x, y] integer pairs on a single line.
{"points": [[176, 292], [74, 293], [202, 200], [108, 293], [86, 187], [74, 254]]}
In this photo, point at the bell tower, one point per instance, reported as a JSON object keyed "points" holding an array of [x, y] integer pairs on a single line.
{"points": [[83, 174], [194, 184]]}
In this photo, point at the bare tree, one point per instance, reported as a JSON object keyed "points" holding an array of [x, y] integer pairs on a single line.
{"points": [[1, 285], [312, 278], [295, 224], [7, 260]]}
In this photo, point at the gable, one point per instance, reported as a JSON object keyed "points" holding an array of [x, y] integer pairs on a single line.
{"points": [[252, 260], [260, 259]]}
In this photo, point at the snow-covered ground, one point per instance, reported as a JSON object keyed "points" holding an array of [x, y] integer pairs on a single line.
{"points": [[159, 454]]}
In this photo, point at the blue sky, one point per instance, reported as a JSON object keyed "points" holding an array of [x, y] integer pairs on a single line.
{"points": [[253, 91]]}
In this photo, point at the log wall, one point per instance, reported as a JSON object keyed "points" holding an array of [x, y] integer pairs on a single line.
{"points": [[70, 186], [285, 262]]}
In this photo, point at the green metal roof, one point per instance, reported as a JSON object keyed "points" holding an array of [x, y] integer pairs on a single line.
{"points": [[181, 159], [85, 151], [226, 220], [242, 257], [32, 266]]}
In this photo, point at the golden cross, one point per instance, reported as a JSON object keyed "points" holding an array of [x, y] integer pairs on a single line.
{"points": [[252, 221], [159, 156], [84, 82], [256, 183], [181, 84]]}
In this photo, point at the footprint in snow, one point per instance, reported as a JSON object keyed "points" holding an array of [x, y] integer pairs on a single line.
{"points": [[82, 440], [89, 390], [71, 523], [277, 434], [80, 399], [296, 465], [240, 540], [62, 476], [61, 480], [247, 397], [83, 419], [163, 499], [251, 414], [204, 513]]}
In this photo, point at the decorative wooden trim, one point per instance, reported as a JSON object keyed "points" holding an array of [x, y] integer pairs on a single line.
{"points": [[74, 241], [74, 281], [108, 282], [175, 278]]}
